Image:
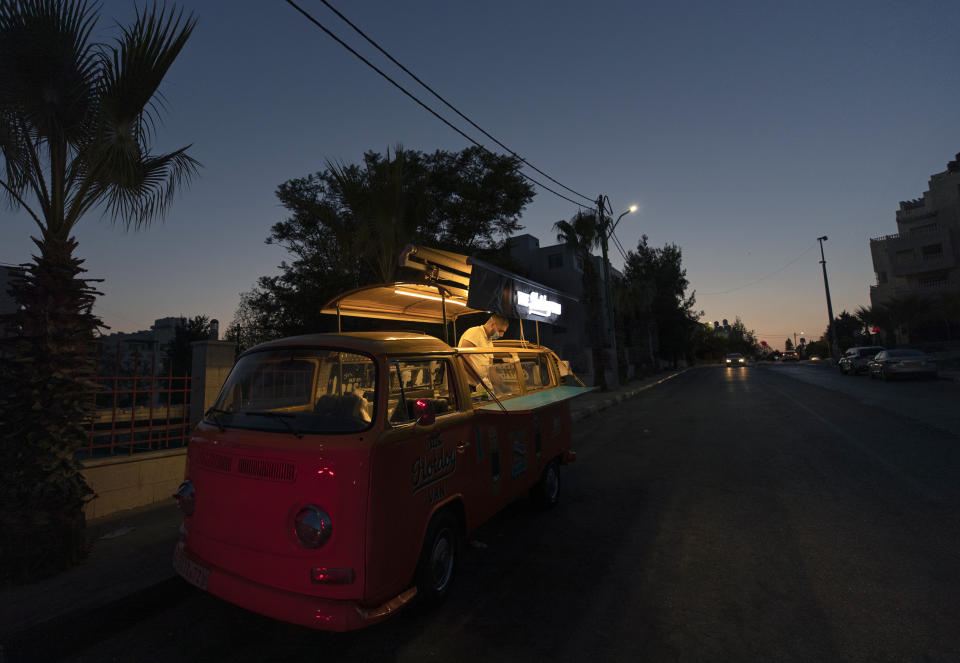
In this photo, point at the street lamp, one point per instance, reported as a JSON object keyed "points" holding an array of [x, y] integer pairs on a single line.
{"points": [[834, 348], [630, 210]]}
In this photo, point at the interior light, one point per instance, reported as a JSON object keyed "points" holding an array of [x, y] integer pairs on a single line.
{"points": [[431, 297]]}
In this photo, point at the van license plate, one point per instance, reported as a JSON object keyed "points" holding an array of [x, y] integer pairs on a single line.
{"points": [[192, 572]]}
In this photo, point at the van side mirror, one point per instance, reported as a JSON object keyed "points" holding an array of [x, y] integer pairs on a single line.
{"points": [[424, 412]]}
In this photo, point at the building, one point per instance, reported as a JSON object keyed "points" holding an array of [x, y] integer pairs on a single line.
{"points": [[923, 258], [558, 267]]}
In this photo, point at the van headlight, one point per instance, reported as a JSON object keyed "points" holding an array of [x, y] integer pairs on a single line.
{"points": [[186, 497], [313, 526]]}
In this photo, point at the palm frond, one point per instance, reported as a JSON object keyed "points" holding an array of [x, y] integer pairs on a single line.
{"points": [[48, 41], [140, 189], [134, 67]]}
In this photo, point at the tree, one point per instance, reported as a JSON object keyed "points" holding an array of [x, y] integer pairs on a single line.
{"points": [[849, 331], [179, 359], [788, 345], [582, 235], [76, 122], [672, 309], [349, 223]]}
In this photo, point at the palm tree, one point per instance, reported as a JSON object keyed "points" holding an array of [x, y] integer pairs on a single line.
{"points": [[76, 122], [379, 217], [907, 313], [582, 235]]}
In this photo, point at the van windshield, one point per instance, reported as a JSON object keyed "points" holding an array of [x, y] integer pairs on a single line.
{"points": [[298, 390]]}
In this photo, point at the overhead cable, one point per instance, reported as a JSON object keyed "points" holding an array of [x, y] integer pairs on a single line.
{"points": [[445, 102], [762, 278], [422, 104]]}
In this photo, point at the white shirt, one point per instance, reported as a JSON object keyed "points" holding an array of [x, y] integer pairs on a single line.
{"points": [[480, 362], [476, 335]]}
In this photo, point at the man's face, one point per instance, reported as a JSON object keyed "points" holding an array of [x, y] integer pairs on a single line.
{"points": [[498, 329]]}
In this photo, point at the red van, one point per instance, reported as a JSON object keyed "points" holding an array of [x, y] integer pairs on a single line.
{"points": [[336, 475]]}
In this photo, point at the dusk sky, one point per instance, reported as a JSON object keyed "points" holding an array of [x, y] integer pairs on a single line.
{"points": [[743, 130]]}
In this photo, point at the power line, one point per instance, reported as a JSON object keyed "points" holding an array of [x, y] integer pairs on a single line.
{"points": [[619, 246], [762, 278], [420, 103], [445, 102]]}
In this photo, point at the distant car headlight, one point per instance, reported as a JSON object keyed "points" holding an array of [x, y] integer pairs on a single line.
{"points": [[313, 526], [729, 360], [741, 360]]}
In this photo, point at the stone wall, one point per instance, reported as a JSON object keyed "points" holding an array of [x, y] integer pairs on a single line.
{"points": [[127, 482]]}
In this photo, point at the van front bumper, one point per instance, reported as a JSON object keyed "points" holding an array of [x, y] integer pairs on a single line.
{"points": [[302, 609]]}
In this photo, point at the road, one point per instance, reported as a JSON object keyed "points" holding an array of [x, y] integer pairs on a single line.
{"points": [[770, 513]]}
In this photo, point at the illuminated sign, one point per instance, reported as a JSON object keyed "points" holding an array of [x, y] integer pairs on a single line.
{"points": [[496, 290], [538, 304]]}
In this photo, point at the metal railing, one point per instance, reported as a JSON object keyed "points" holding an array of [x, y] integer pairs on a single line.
{"points": [[137, 409]]}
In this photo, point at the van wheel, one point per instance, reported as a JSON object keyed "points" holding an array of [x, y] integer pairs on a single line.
{"points": [[546, 492], [439, 558]]}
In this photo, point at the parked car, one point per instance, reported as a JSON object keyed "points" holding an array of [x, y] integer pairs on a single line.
{"points": [[735, 359], [790, 355], [903, 362], [855, 359]]}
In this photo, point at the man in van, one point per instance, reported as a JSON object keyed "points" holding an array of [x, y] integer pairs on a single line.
{"points": [[483, 336]]}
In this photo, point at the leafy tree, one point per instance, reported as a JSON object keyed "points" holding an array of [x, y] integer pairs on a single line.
{"points": [[742, 340], [76, 122], [821, 348], [709, 344], [713, 344], [636, 328], [582, 235], [179, 359], [849, 331], [788, 345], [349, 223], [672, 309]]}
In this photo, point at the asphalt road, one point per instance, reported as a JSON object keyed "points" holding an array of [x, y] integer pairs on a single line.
{"points": [[725, 515]]}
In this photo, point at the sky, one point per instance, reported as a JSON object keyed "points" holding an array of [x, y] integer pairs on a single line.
{"points": [[742, 130]]}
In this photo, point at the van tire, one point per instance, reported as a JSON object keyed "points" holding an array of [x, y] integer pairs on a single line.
{"points": [[439, 558], [546, 492]]}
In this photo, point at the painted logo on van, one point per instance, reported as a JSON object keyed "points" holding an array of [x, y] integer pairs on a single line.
{"points": [[433, 466]]}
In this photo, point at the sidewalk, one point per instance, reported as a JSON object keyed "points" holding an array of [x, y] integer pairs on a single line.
{"points": [[131, 552]]}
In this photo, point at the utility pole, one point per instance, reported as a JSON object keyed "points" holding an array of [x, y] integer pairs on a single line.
{"points": [[834, 347], [603, 227]]}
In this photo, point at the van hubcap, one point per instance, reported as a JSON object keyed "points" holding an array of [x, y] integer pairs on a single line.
{"points": [[441, 561]]}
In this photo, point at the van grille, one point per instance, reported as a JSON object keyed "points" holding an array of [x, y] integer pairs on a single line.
{"points": [[213, 461], [266, 469], [259, 468]]}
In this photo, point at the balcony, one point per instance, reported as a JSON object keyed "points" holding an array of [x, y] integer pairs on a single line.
{"points": [[936, 229], [880, 294]]}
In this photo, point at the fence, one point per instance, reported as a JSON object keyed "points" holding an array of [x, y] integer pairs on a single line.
{"points": [[137, 408]]}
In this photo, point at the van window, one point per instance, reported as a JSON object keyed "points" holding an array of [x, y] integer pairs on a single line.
{"points": [[536, 372], [298, 390], [490, 371], [411, 379]]}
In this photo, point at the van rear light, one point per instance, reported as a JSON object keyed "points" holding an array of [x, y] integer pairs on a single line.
{"points": [[313, 526], [186, 497], [327, 576]]}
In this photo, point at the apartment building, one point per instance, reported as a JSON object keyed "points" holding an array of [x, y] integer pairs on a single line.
{"points": [[923, 258], [558, 267]]}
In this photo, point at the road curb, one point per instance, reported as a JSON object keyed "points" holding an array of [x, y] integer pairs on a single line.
{"points": [[615, 398]]}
